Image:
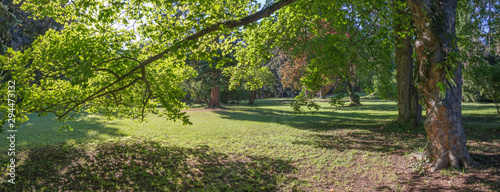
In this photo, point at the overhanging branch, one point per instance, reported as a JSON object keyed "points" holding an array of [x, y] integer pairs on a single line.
{"points": [[215, 27]]}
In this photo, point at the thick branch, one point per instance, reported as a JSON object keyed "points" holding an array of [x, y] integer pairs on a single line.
{"points": [[109, 71], [122, 57], [103, 94], [215, 27]]}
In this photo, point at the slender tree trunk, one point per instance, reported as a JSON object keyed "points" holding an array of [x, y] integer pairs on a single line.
{"points": [[214, 97], [215, 93], [409, 110], [251, 97], [322, 94], [415, 107], [350, 89], [435, 26], [497, 106]]}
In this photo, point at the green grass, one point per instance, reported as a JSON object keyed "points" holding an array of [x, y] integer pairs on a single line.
{"points": [[265, 147]]}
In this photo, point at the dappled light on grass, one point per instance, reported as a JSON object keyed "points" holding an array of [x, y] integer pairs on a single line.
{"points": [[364, 141], [45, 131], [136, 164], [265, 147]]}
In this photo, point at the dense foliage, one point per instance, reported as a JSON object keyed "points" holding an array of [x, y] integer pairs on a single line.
{"points": [[478, 34]]}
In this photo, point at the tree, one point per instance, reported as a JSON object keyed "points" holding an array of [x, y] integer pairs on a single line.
{"points": [[101, 68], [17, 32], [292, 71], [251, 80], [439, 78], [209, 77], [409, 109], [92, 66], [324, 54]]}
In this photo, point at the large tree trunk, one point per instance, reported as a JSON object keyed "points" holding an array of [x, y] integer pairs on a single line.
{"points": [[409, 110], [435, 26]]}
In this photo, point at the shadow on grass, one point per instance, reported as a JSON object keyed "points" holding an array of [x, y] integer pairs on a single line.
{"points": [[483, 178], [366, 141], [358, 130], [41, 131], [483, 119], [134, 164], [319, 121], [370, 106], [489, 168], [282, 101], [478, 106]]}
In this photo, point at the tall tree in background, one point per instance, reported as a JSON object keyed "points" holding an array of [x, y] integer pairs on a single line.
{"points": [[409, 109], [324, 53], [209, 76], [215, 92]]}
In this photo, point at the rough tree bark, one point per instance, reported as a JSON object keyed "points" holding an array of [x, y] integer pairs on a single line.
{"points": [[214, 97], [215, 93], [435, 26], [409, 110]]}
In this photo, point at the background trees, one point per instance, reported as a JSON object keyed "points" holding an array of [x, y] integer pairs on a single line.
{"points": [[477, 24], [112, 76], [92, 66]]}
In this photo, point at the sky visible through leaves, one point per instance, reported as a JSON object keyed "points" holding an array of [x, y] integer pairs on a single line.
{"points": [[132, 27]]}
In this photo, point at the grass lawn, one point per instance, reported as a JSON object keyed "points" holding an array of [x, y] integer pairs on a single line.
{"points": [[265, 147]]}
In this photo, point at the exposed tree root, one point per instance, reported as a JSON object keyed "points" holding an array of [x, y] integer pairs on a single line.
{"points": [[447, 159]]}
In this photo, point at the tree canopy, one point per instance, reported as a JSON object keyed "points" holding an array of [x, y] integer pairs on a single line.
{"points": [[126, 58], [92, 65]]}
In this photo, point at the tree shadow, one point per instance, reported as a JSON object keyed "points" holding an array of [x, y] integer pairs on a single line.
{"points": [[488, 170], [369, 106], [45, 130], [476, 107], [135, 164], [482, 178], [361, 131], [319, 121], [481, 118], [365, 141], [482, 128]]}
